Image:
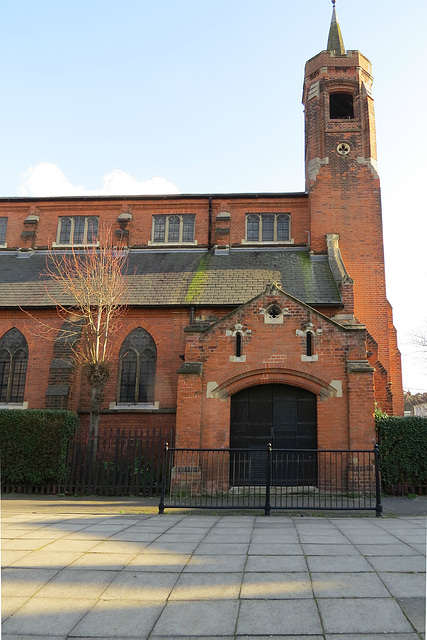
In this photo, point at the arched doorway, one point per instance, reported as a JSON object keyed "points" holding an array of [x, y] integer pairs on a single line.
{"points": [[283, 415]]}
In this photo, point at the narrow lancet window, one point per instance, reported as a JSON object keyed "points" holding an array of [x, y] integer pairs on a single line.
{"points": [[309, 344], [238, 345]]}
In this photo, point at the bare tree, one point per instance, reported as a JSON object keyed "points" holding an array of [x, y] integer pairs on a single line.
{"points": [[419, 338], [89, 289]]}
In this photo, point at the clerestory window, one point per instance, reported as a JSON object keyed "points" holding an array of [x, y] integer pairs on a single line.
{"points": [[268, 227], [137, 368], [75, 230], [173, 228], [13, 366]]}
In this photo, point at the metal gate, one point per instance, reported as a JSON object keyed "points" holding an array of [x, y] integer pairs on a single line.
{"points": [[212, 479]]}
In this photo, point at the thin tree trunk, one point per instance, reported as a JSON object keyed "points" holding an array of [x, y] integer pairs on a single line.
{"points": [[97, 376]]}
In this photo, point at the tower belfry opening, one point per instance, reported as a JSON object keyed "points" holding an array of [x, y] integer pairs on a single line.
{"points": [[341, 106]]}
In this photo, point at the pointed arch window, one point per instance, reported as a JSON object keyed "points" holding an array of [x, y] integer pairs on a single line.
{"points": [[137, 368], [13, 366]]}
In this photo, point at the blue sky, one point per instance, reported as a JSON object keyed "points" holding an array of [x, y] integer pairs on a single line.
{"points": [[205, 96]]}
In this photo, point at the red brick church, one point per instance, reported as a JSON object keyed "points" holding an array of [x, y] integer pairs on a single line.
{"points": [[254, 317]]}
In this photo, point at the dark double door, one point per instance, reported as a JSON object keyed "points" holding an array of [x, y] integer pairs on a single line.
{"points": [[284, 416]]}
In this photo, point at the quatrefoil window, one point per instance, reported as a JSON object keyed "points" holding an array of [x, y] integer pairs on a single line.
{"points": [[274, 312], [343, 148]]}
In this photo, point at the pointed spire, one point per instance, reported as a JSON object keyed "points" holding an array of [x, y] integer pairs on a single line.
{"points": [[335, 40]]}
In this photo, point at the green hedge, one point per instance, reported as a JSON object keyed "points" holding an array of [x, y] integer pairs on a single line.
{"points": [[403, 450], [33, 445]]}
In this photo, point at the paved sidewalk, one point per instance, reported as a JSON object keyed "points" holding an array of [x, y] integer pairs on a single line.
{"points": [[105, 575]]}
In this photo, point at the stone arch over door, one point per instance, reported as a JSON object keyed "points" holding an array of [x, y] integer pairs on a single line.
{"points": [[280, 414]]}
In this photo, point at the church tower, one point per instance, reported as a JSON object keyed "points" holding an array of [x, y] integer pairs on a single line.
{"points": [[343, 184]]}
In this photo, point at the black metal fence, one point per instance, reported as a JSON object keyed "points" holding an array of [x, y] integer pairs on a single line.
{"points": [[119, 462], [271, 479]]}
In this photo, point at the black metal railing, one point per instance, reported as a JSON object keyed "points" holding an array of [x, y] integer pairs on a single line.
{"points": [[118, 462], [271, 479]]}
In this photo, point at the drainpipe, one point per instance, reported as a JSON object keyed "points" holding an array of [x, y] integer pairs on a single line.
{"points": [[191, 316], [210, 224]]}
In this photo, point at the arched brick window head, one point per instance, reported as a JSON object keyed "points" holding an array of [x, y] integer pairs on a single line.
{"points": [[137, 368], [13, 366]]}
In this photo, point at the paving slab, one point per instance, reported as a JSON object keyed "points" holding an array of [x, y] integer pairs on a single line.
{"points": [[215, 563], [77, 583], [372, 636], [278, 617], [207, 586], [155, 637], [10, 604], [330, 550], [339, 564], [275, 536], [362, 615], [353, 585], [213, 617], [14, 636], [408, 564], [47, 558], [136, 585], [161, 562], [405, 585], [276, 586], [387, 550], [24, 582], [281, 637], [112, 561], [11, 556], [415, 610], [40, 616], [128, 618], [286, 564], [275, 549], [222, 549]]}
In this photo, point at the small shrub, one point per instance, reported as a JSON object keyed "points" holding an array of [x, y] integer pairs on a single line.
{"points": [[33, 445]]}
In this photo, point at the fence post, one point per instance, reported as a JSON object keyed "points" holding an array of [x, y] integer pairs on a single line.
{"points": [[378, 505], [165, 466], [267, 507]]}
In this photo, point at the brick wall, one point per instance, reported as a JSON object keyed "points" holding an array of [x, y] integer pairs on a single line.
{"points": [[271, 353]]}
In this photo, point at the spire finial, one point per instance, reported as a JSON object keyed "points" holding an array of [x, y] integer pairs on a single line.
{"points": [[335, 40]]}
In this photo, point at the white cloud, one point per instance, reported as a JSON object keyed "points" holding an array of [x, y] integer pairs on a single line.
{"points": [[46, 179]]}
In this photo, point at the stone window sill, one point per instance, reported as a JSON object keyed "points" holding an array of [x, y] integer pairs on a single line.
{"points": [[13, 405], [309, 358], [143, 406]]}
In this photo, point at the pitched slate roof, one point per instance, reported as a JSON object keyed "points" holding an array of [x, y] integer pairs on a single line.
{"points": [[188, 277]]}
